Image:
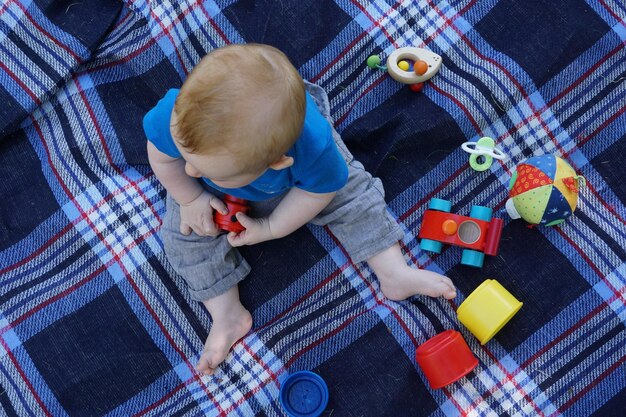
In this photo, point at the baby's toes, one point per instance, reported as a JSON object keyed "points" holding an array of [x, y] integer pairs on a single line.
{"points": [[205, 364], [447, 281], [449, 292]]}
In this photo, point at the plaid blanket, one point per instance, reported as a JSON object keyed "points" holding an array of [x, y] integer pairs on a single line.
{"points": [[95, 322]]}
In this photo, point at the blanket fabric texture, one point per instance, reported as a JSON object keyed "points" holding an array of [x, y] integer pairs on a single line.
{"points": [[94, 321]]}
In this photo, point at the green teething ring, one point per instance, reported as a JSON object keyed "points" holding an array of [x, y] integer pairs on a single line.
{"points": [[485, 147], [484, 143], [477, 166]]}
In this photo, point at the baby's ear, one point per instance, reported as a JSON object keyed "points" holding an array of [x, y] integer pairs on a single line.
{"points": [[282, 163]]}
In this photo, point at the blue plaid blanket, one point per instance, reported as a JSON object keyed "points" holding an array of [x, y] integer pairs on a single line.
{"points": [[95, 322]]}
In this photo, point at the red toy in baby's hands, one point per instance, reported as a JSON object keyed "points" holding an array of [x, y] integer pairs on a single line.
{"points": [[229, 222]]}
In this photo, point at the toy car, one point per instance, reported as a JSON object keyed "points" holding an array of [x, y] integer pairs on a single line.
{"points": [[479, 233]]}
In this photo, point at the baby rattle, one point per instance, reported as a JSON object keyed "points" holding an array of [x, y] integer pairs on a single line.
{"points": [[425, 65]]}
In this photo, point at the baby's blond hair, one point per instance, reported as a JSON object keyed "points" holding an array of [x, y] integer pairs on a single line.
{"points": [[244, 100]]}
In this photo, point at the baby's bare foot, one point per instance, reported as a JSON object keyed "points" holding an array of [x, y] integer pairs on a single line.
{"points": [[231, 322], [398, 281], [224, 332], [407, 281]]}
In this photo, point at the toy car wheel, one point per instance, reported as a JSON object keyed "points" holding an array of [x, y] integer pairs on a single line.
{"points": [[440, 204], [472, 258], [431, 245], [481, 213]]}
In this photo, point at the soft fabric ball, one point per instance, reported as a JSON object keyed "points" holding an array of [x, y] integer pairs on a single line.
{"points": [[543, 190]]}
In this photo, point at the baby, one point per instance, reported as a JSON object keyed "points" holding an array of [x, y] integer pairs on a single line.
{"points": [[244, 123]]}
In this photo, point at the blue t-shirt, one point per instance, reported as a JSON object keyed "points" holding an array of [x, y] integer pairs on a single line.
{"points": [[318, 165]]}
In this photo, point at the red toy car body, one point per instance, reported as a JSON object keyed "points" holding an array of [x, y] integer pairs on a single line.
{"points": [[480, 233]]}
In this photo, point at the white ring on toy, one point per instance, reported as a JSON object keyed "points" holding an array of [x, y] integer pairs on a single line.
{"points": [[473, 148], [414, 54]]}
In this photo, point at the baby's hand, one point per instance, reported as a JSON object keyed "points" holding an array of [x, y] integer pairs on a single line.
{"points": [[257, 230], [197, 215]]}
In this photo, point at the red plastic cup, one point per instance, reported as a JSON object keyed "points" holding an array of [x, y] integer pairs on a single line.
{"points": [[445, 358], [229, 222]]}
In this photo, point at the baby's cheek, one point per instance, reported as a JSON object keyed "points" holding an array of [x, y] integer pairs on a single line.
{"points": [[191, 171]]}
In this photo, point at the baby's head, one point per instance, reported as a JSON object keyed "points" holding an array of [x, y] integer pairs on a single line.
{"points": [[238, 113]]}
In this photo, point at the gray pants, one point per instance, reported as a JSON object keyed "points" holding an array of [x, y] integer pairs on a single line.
{"points": [[357, 216]]}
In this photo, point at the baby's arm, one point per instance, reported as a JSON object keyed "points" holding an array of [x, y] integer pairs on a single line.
{"points": [[296, 209], [171, 173], [196, 205]]}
